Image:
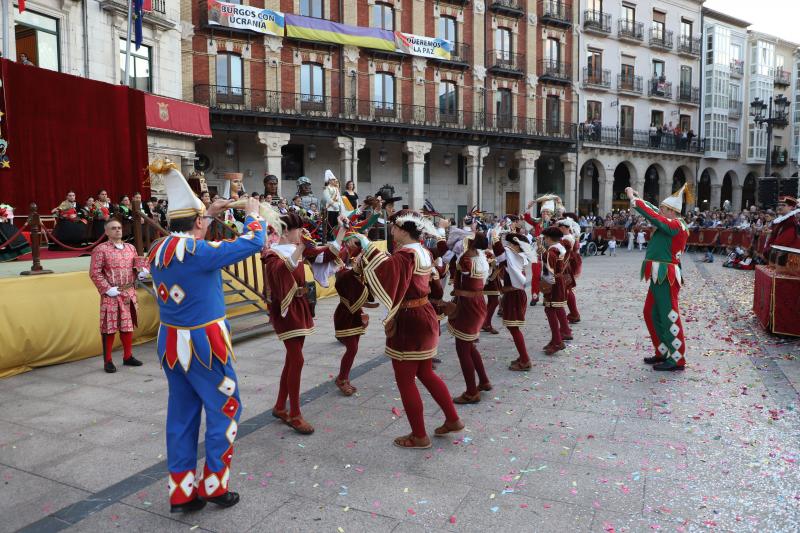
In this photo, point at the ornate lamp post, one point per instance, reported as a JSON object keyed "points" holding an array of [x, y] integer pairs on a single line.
{"points": [[770, 114]]}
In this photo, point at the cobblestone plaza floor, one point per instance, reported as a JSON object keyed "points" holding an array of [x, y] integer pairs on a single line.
{"points": [[588, 440]]}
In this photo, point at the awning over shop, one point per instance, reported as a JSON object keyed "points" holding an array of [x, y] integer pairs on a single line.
{"points": [[176, 116]]}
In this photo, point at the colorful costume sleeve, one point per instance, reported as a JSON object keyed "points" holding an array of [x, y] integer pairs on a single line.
{"points": [[652, 214], [388, 276], [218, 254], [96, 271]]}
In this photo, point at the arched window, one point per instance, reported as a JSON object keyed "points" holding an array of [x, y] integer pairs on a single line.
{"points": [[384, 93], [312, 86], [383, 16], [230, 74]]}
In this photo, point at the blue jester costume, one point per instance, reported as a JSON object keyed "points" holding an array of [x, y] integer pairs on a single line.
{"points": [[194, 345]]}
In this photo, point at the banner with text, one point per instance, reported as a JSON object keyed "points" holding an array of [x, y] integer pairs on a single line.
{"points": [[239, 17], [418, 45]]}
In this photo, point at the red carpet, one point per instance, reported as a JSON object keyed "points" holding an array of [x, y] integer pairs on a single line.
{"points": [[47, 254]]}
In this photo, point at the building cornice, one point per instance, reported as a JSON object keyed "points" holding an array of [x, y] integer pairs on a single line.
{"points": [[727, 19]]}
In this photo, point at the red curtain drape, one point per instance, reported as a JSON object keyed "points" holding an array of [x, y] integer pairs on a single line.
{"points": [[66, 132]]}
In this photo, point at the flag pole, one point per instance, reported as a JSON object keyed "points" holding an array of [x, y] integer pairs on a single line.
{"points": [[128, 48]]}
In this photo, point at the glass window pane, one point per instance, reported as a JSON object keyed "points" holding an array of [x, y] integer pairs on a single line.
{"points": [[222, 70], [305, 79], [379, 87], [236, 74], [389, 90], [304, 8], [317, 81], [29, 18], [47, 49]]}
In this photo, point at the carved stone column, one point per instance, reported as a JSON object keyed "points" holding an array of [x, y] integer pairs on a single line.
{"points": [[569, 161], [416, 172], [273, 142], [474, 174], [527, 175], [348, 148]]}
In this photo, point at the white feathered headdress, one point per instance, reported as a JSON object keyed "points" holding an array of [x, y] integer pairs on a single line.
{"points": [[423, 225]]}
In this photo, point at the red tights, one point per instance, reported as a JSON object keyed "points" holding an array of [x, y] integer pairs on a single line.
{"points": [[491, 306], [574, 314], [127, 345], [405, 373], [536, 274], [350, 351], [559, 325], [519, 342], [471, 362], [290, 377]]}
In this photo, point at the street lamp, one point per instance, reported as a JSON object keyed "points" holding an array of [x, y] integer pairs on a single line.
{"points": [[312, 152], [770, 114]]}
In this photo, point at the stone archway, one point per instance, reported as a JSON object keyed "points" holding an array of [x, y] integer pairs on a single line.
{"points": [[652, 177], [624, 176], [704, 185], [728, 183], [749, 191], [591, 176]]}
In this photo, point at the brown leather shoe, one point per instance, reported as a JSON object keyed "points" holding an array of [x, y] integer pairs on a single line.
{"points": [[518, 366], [449, 427], [485, 386], [466, 398]]}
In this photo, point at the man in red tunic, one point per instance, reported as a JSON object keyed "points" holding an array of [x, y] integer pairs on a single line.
{"points": [[785, 230], [402, 282], [113, 272]]}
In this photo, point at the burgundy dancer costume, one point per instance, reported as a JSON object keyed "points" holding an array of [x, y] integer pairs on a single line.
{"points": [[555, 293], [403, 283], [470, 314]]}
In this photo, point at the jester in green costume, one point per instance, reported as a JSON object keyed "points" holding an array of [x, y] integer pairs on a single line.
{"points": [[662, 267]]}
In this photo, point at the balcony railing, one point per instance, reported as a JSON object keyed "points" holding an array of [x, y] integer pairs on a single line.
{"points": [[553, 70], [504, 61], [659, 88], [639, 139], [508, 7], [661, 38], [737, 68], [629, 84], [319, 109], [689, 45], [779, 157], [160, 6], [596, 78], [735, 109], [688, 94], [596, 21], [782, 77], [555, 12], [459, 54], [734, 150], [630, 29]]}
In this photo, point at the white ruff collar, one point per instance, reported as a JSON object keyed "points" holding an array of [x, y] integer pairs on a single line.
{"points": [[284, 249], [423, 257]]}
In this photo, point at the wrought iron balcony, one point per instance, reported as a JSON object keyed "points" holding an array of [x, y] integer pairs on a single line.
{"points": [[660, 38], [737, 68], [505, 62], [160, 6], [690, 46], [782, 77], [688, 94], [659, 88], [597, 21], [596, 79], [315, 110], [514, 8], [630, 30], [630, 138], [554, 71], [555, 13], [461, 54], [157, 17], [779, 156], [629, 84], [735, 109], [734, 150]]}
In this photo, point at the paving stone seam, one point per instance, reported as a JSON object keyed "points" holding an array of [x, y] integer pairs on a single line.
{"points": [[76, 512]]}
